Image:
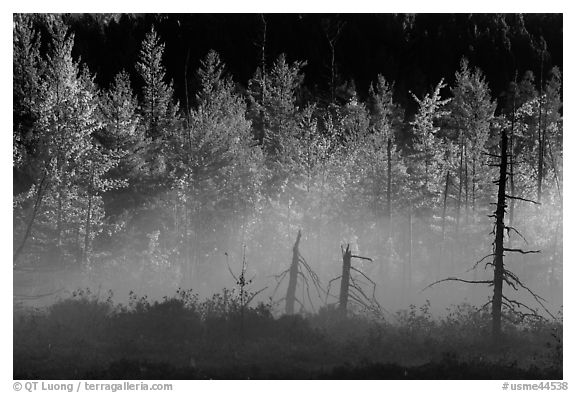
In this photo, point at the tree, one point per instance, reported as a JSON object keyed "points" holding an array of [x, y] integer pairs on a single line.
{"points": [[472, 111], [294, 276], [273, 108], [67, 209], [426, 144], [28, 67], [158, 111], [518, 95], [502, 275], [218, 177], [383, 156]]}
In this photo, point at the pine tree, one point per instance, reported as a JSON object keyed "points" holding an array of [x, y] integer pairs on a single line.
{"points": [[387, 163], [273, 107], [122, 132], [67, 209], [28, 67], [158, 110], [427, 145], [472, 111], [219, 172]]}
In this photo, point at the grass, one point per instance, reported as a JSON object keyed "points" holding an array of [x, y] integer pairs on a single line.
{"points": [[183, 337]]}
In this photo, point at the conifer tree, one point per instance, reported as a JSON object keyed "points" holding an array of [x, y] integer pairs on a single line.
{"points": [[219, 173], [273, 106], [472, 110], [427, 144], [158, 110]]}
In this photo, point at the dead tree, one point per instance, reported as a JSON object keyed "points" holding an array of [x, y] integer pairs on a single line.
{"points": [[332, 31], [293, 276], [350, 288], [345, 281], [501, 274], [499, 239], [294, 272]]}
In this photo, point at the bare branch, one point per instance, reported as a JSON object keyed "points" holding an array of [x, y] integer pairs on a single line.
{"points": [[521, 251], [365, 258], [307, 290], [460, 280], [229, 268], [536, 297], [254, 295], [520, 304], [478, 262], [508, 229], [522, 199], [328, 289]]}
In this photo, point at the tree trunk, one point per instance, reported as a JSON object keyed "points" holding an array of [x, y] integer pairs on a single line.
{"points": [[86, 252], [263, 48], [499, 242], [473, 186], [389, 181], [186, 101], [388, 234], [467, 203], [540, 153], [410, 252], [37, 203], [512, 186], [293, 277], [444, 206], [540, 135], [332, 74], [460, 179], [345, 281]]}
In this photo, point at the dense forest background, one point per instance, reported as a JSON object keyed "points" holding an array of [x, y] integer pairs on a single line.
{"points": [[153, 152]]}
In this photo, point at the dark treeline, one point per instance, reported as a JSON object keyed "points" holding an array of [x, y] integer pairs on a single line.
{"points": [[157, 151], [413, 50]]}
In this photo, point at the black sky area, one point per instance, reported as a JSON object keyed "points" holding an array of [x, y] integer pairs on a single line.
{"points": [[413, 50]]}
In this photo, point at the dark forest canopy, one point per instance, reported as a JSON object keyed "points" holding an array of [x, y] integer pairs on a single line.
{"points": [[414, 50], [154, 150]]}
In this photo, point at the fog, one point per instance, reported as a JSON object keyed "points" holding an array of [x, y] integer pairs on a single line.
{"points": [[269, 254], [296, 196]]}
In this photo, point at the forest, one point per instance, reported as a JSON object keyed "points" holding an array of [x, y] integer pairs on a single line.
{"points": [[287, 196]]}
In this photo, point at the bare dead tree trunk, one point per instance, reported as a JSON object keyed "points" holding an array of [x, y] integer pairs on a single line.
{"points": [[499, 242], [332, 72], [332, 34], [293, 277], [345, 281], [187, 114], [263, 47]]}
